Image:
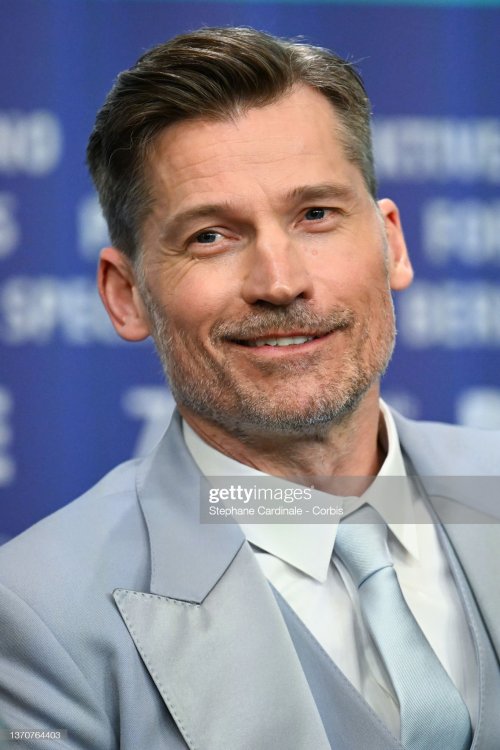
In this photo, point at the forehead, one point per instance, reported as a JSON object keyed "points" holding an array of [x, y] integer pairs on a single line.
{"points": [[297, 138]]}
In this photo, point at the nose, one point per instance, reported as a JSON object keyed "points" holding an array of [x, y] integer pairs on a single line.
{"points": [[276, 271]]}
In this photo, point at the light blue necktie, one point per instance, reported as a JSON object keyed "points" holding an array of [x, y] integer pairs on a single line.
{"points": [[433, 715]]}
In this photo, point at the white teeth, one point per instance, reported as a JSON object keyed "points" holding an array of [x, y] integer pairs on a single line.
{"points": [[285, 341]]}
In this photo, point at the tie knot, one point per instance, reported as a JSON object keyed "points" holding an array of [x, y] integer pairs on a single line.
{"points": [[361, 544]]}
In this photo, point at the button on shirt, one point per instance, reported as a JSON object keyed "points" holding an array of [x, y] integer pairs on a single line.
{"points": [[299, 561]]}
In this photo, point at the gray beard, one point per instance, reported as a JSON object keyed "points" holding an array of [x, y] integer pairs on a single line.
{"points": [[244, 414]]}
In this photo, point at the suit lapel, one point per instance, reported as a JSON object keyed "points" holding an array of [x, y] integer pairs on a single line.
{"points": [[209, 618]]}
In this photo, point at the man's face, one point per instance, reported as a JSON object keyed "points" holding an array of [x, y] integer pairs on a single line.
{"points": [[265, 269]]}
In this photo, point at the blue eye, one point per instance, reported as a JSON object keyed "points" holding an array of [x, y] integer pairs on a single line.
{"points": [[313, 214], [207, 238]]}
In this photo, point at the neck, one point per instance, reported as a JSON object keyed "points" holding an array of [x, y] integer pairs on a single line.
{"points": [[351, 448]]}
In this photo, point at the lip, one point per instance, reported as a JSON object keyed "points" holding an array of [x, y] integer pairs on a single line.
{"points": [[266, 350]]}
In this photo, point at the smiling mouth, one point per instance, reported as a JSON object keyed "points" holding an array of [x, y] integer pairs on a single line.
{"points": [[294, 331], [279, 340]]}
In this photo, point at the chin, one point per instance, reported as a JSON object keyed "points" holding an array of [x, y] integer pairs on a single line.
{"points": [[312, 419]]}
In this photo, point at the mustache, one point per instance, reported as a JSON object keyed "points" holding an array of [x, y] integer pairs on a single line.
{"points": [[289, 320]]}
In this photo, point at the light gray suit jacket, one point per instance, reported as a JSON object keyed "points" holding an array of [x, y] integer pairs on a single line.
{"points": [[130, 624]]}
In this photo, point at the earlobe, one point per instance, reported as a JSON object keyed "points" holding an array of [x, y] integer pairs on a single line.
{"points": [[119, 293], [400, 268]]}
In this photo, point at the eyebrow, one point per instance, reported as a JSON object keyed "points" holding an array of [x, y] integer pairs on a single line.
{"points": [[174, 224], [310, 193], [326, 190]]}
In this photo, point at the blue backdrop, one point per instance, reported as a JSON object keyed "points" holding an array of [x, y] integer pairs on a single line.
{"points": [[74, 399]]}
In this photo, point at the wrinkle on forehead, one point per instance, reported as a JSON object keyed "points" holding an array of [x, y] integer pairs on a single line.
{"points": [[251, 134], [238, 154]]}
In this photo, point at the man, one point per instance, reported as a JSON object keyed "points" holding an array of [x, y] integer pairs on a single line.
{"points": [[236, 175]]}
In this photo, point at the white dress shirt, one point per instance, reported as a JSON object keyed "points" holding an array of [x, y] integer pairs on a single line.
{"points": [[297, 559]]}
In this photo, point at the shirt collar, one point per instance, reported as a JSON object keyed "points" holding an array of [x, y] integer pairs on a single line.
{"points": [[309, 547], [404, 529]]}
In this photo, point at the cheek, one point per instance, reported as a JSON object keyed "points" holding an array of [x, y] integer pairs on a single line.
{"points": [[199, 299], [370, 274], [350, 262], [352, 285]]}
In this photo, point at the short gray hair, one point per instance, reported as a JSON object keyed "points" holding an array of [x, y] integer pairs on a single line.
{"points": [[213, 73]]}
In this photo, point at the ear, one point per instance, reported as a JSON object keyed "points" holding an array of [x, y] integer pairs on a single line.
{"points": [[400, 268], [119, 292]]}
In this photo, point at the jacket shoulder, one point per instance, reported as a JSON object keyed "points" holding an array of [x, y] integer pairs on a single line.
{"points": [[438, 448], [78, 536]]}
